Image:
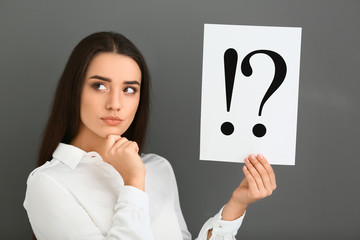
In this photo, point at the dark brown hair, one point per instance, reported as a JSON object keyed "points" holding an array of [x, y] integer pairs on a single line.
{"points": [[64, 120]]}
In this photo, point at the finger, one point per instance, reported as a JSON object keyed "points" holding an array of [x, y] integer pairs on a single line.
{"points": [[255, 174], [263, 173], [269, 169], [111, 140], [251, 181], [130, 146], [125, 144], [135, 146], [121, 143]]}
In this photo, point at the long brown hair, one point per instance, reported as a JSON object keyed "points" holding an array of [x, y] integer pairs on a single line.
{"points": [[64, 120]]}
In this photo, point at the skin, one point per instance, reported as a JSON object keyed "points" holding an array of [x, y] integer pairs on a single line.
{"points": [[112, 88]]}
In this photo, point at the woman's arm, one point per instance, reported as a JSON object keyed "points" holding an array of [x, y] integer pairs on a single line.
{"points": [[55, 213], [259, 182]]}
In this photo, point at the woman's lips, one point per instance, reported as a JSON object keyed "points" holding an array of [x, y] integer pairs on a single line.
{"points": [[111, 120]]}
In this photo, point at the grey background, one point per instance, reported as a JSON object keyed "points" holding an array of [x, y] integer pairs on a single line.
{"points": [[316, 199]]}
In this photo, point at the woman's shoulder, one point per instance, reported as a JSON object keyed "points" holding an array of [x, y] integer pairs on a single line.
{"points": [[159, 172], [156, 161], [49, 169]]}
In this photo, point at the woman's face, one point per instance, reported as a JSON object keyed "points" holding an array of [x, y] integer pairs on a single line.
{"points": [[110, 95]]}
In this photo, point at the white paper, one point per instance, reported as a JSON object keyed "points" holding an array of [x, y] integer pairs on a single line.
{"points": [[279, 112]]}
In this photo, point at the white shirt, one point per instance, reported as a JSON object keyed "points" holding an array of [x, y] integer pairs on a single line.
{"points": [[79, 196]]}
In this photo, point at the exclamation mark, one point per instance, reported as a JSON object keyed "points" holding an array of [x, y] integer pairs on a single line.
{"points": [[230, 62]]}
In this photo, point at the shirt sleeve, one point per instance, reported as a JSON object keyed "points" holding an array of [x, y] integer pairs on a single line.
{"points": [[222, 230], [54, 213]]}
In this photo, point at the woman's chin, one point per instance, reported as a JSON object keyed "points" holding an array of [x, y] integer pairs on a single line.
{"points": [[112, 133]]}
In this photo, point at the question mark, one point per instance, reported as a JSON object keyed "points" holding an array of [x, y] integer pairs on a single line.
{"points": [[259, 130]]}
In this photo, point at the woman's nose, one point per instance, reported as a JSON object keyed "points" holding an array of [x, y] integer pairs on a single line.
{"points": [[114, 101]]}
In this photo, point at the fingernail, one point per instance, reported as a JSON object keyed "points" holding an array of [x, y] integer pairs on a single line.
{"points": [[252, 157], [247, 160], [245, 167]]}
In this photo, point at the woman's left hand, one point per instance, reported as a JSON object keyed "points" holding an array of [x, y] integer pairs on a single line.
{"points": [[258, 183]]}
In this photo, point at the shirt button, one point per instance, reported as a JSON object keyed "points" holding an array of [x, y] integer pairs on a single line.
{"points": [[217, 225]]}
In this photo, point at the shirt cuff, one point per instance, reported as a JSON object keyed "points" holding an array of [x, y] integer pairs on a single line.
{"points": [[223, 227], [133, 196]]}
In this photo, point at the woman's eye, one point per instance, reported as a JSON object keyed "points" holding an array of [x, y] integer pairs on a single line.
{"points": [[130, 90], [99, 86]]}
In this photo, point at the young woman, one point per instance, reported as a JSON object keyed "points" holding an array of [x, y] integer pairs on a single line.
{"points": [[92, 182]]}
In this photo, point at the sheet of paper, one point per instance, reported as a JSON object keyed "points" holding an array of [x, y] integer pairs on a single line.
{"points": [[249, 96]]}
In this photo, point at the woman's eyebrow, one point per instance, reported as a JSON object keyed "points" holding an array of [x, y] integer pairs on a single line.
{"points": [[109, 80], [101, 78], [132, 82]]}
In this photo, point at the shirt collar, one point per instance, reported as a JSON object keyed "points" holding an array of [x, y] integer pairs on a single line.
{"points": [[68, 154]]}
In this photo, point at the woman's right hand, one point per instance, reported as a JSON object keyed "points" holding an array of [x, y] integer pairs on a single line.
{"points": [[123, 155]]}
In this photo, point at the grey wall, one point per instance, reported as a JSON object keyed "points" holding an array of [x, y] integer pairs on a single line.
{"points": [[316, 199]]}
